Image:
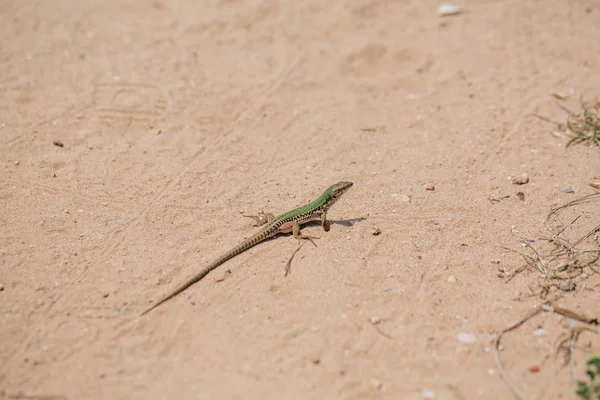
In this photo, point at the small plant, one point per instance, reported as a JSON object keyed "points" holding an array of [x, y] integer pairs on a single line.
{"points": [[585, 125], [590, 390]]}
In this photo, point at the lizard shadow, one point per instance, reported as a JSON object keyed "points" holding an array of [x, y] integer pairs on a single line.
{"points": [[343, 222]]}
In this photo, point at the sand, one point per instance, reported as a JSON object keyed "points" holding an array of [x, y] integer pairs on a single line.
{"points": [[134, 136]]}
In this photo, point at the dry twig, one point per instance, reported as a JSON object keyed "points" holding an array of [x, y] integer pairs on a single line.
{"points": [[548, 306]]}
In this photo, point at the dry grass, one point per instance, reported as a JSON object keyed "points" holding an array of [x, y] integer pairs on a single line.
{"points": [[568, 254], [562, 258], [583, 126]]}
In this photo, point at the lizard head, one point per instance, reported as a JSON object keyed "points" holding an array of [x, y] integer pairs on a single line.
{"points": [[334, 192]]}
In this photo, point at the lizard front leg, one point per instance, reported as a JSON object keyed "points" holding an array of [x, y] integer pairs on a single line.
{"points": [[324, 222]]}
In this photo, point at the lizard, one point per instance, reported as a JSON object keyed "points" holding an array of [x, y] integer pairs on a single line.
{"points": [[288, 222]]}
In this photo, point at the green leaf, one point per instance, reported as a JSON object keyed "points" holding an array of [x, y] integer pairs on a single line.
{"points": [[583, 390]]}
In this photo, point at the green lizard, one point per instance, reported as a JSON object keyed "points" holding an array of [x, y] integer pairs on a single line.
{"points": [[288, 222]]}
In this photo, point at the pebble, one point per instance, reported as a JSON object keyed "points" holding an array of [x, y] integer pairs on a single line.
{"points": [[534, 368], [567, 286], [521, 179], [401, 197], [445, 9], [468, 338]]}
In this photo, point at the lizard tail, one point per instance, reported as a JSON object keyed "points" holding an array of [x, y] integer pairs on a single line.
{"points": [[243, 246]]}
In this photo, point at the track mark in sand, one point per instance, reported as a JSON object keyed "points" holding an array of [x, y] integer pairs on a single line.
{"points": [[119, 235], [130, 101], [124, 101]]}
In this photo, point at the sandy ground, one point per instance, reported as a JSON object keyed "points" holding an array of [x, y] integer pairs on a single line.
{"points": [[135, 134]]}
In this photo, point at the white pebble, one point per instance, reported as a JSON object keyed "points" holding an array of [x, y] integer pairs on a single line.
{"points": [[464, 337], [401, 197], [448, 9]]}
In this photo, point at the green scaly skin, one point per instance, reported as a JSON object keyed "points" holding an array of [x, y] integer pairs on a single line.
{"points": [[288, 222]]}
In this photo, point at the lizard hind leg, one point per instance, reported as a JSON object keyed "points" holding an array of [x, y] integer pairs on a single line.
{"points": [[262, 218], [298, 235]]}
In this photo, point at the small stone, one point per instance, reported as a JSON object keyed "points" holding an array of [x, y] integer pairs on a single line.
{"points": [[445, 9], [521, 179], [428, 394], [466, 338], [1, 287], [401, 197], [540, 332], [375, 320], [451, 278], [568, 286], [58, 143], [375, 231], [430, 187], [17, 162], [521, 196], [534, 368]]}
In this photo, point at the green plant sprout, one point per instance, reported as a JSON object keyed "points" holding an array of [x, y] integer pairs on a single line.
{"points": [[590, 390]]}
